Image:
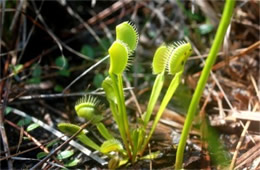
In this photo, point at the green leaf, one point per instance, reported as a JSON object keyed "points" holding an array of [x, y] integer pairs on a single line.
{"points": [[64, 72], [62, 62], [41, 155], [65, 154], [8, 110], [26, 138], [35, 80], [138, 138], [119, 54], [58, 88], [98, 79], [151, 156], [109, 89], [205, 28], [51, 143], [104, 132], [71, 129], [37, 71], [17, 68], [25, 121], [88, 51], [72, 163], [32, 127], [111, 145]]}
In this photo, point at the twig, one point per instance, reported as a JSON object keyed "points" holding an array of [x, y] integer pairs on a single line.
{"points": [[128, 85], [248, 157], [2, 109], [241, 139], [28, 135], [22, 152], [85, 72]]}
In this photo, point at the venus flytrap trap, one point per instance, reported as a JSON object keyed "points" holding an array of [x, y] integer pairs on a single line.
{"points": [[167, 59]]}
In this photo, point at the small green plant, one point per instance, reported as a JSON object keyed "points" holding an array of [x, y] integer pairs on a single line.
{"points": [[168, 59]]}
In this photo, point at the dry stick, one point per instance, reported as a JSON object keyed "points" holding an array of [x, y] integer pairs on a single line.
{"points": [[20, 138], [28, 135], [59, 147], [25, 151], [85, 72], [29, 144], [231, 167], [2, 109], [249, 156], [128, 85], [240, 141]]}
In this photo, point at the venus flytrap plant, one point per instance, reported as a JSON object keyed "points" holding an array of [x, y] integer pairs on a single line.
{"points": [[167, 58]]}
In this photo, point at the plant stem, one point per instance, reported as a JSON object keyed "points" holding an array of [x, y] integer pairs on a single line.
{"points": [[225, 20], [171, 89], [157, 87], [121, 92], [121, 121]]}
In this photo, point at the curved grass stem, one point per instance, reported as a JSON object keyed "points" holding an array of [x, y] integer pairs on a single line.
{"points": [[225, 20]]}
